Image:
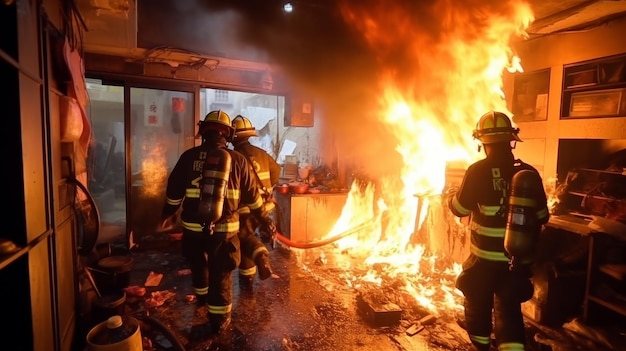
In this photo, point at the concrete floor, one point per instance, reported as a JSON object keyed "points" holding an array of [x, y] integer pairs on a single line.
{"points": [[304, 309]]}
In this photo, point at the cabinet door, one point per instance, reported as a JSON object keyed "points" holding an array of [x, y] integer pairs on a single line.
{"points": [[595, 89], [314, 216], [41, 297]]}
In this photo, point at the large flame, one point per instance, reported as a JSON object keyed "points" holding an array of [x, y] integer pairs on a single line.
{"points": [[449, 77], [153, 167]]}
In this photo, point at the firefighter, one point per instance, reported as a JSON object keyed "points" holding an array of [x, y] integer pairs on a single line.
{"points": [[213, 248], [268, 174], [488, 281]]}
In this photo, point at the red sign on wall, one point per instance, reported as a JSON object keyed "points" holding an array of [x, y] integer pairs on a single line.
{"points": [[178, 104]]}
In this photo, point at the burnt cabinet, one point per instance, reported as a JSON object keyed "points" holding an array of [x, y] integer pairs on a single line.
{"points": [[595, 88], [606, 278]]}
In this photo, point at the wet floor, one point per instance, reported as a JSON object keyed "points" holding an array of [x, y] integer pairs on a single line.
{"points": [[299, 310], [306, 308]]}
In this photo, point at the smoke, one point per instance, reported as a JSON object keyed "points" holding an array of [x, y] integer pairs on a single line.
{"points": [[340, 52]]}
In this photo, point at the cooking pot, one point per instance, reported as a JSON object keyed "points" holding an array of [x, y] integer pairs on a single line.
{"points": [[283, 189], [299, 188]]}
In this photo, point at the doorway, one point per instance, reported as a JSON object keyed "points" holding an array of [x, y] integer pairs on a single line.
{"points": [[106, 159], [130, 157], [162, 127]]}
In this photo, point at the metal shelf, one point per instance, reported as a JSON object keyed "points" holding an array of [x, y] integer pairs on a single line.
{"points": [[9, 258]]}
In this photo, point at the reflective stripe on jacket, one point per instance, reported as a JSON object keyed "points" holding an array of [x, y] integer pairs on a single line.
{"points": [[482, 195], [183, 188], [264, 165]]}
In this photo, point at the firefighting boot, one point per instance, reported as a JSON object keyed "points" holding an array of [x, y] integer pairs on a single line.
{"points": [[246, 282], [262, 261], [219, 323], [201, 299]]}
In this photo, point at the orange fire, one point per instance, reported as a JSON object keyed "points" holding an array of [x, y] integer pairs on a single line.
{"points": [[153, 167], [459, 56]]}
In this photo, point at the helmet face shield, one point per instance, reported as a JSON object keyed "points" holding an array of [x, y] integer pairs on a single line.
{"points": [[495, 127]]}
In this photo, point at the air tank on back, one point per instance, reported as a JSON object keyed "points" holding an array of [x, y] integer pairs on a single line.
{"points": [[522, 227]]}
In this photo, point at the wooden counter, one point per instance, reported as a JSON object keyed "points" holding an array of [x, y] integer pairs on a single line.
{"points": [[307, 217]]}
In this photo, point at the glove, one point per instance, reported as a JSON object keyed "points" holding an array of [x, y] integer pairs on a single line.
{"points": [[268, 230]]}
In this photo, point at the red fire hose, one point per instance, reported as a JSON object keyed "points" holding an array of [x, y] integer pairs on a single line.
{"points": [[327, 241]]}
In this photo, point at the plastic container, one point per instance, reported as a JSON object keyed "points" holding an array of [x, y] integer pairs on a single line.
{"points": [[115, 334]]}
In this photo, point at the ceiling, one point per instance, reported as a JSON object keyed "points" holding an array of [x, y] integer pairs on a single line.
{"points": [[115, 27], [553, 16]]}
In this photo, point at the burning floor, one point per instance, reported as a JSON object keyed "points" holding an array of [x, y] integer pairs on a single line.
{"points": [[311, 306]]}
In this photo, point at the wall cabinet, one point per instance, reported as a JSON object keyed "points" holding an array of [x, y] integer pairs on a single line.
{"points": [[530, 96], [595, 88]]}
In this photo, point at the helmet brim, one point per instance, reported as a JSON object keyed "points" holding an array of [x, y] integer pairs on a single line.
{"points": [[245, 133], [499, 138], [203, 127]]}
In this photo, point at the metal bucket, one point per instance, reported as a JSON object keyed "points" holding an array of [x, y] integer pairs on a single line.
{"points": [[109, 305], [113, 273], [96, 338]]}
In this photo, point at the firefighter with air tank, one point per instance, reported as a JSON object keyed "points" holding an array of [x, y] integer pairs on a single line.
{"points": [[255, 257], [507, 203], [211, 182]]}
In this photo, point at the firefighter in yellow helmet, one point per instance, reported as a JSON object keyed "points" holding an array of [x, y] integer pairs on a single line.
{"points": [[210, 241], [268, 173], [489, 281]]}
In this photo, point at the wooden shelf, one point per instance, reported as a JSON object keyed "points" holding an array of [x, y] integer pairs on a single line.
{"points": [[572, 224], [597, 279], [577, 193], [601, 171], [616, 306]]}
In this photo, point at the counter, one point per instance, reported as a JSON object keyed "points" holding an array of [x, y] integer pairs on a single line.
{"points": [[573, 224], [307, 217]]}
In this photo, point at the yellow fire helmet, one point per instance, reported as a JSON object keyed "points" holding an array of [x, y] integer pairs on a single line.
{"points": [[216, 120], [495, 127], [243, 127]]}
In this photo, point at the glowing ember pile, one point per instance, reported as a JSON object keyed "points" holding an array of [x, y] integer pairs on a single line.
{"points": [[431, 106]]}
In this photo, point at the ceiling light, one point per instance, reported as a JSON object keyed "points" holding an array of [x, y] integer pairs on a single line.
{"points": [[288, 7]]}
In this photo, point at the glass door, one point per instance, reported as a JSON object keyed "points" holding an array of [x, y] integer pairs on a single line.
{"points": [[162, 127], [106, 159]]}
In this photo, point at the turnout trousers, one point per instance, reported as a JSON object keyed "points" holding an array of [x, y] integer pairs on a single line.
{"points": [[251, 246], [489, 286]]}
